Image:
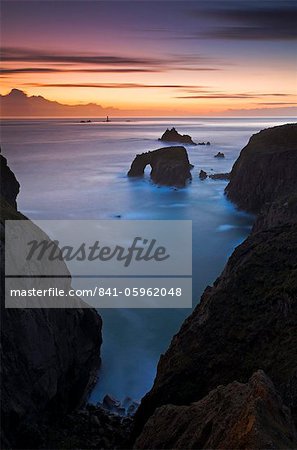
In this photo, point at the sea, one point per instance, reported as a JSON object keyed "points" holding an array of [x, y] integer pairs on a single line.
{"points": [[73, 170]]}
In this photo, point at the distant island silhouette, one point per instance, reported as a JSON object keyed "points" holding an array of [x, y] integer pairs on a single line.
{"points": [[18, 103]]}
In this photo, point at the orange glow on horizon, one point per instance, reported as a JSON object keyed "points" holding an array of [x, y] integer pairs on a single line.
{"points": [[124, 62]]}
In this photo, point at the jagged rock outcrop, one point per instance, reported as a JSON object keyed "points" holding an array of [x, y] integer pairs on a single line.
{"points": [[173, 136], [170, 166], [266, 169], [248, 319], [49, 357], [236, 416]]}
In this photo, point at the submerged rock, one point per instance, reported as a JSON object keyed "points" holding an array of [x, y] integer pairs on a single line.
{"points": [[236, 416], [170, 166], [173, 136], [220, 176], [214, 176]]}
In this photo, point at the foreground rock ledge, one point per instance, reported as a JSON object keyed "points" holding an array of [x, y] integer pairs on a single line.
{"points": [[170, 166], [236, 416]]}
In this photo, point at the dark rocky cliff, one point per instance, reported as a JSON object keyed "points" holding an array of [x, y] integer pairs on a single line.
{"points": [[247, 321], [236, 416], [266, 169], [49, 357], [9, 185]]}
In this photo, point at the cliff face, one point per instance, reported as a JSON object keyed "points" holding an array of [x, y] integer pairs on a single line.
{"points": [[9, 185], [49, 357], [266, 169], [276, 213], [247, 321], [236, 416]]}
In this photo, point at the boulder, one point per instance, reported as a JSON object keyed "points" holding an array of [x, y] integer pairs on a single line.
{"points": [[126, 408], [110, 403], [173, 136], [202, 175], [170, 166]]}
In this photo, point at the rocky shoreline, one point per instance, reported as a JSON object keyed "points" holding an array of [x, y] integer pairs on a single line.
{"points": [[245, 322], [229, 377]]}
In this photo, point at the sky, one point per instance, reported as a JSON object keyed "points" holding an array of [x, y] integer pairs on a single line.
{"points": [[160, 57]]}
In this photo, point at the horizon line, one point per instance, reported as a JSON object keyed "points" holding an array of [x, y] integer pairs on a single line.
{"points": [[150, 116]]}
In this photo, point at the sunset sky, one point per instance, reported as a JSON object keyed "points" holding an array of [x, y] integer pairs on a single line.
{"points": [[158, 57]]}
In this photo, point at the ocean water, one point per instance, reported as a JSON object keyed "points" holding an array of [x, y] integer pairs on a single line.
{"points": [[69, 170]]}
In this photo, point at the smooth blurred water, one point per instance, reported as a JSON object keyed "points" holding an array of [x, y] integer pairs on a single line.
{"points": [[71, 170]]}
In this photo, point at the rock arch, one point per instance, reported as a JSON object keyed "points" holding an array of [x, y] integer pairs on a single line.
{"points": [[170, 166]]}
